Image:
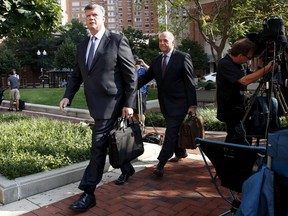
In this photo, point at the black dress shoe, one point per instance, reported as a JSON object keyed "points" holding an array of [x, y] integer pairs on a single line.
{"points": [[123, 178], [85, 202], [178, 158], [159, 171]]}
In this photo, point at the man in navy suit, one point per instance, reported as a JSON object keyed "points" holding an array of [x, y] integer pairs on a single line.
{"points": [[110, 86], [173, 72]]}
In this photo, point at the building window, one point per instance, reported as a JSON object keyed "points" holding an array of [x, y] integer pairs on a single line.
{"points": [[111, 26], [111, 13], [75, 9], [111, 2], [75, 16], [138, 19], [111, 20], [111, 8], [84, 3], [75, 4]]}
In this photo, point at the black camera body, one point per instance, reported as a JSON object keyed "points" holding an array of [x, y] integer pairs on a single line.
{"points": [[271, 40]]}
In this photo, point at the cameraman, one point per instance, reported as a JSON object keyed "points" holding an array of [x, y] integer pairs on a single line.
{"points": [[231, 82]]}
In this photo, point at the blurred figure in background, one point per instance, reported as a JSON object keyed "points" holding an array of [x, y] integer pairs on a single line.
{"points": [[13, 83], [141, 104]]}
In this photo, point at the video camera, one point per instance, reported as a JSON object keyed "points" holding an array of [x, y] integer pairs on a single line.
{"points": [[271, 40]]}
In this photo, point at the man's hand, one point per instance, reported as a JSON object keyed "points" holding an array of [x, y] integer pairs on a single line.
{"points": [[192, 109], [63, 103], [127, 112]]}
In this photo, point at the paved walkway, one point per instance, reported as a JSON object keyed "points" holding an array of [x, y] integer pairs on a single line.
{"points": [[185, 189]]}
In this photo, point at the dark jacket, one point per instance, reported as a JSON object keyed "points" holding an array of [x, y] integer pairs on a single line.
{"points": [[111, 82], [176, 90]]}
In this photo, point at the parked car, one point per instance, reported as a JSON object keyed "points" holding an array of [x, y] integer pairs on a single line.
{"points": [[210, 77], [209, 81]]}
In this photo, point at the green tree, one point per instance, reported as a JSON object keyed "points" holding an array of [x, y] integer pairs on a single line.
{"points": [[145, 47], [199, 57], [73, 33], [76, 31], [138, 42], [224, 21], [65, 55], [7, 61], [23, 17], [151, 51]]}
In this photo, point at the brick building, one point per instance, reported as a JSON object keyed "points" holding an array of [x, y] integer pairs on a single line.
{"points": [[120, 14]]}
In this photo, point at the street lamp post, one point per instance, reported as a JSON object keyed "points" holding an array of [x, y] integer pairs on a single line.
{"points": [[42, 54]]}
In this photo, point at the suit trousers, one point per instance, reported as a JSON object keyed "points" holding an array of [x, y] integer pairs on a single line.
{"points": [[94, 171], [234, 137], [170, 144]]}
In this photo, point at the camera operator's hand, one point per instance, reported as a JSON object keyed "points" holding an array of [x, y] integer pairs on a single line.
{"points": [[253, 77], [270, 66]]}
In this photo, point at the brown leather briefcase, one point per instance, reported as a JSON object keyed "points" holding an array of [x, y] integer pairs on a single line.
{"points": [[192, 127]]}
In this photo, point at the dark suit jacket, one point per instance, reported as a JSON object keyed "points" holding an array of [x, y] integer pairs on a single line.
{"points": [[176, 90], [112, 81]]}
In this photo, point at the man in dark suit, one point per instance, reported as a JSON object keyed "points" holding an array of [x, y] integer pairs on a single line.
{"points": [[110, 86], [176, 95]]}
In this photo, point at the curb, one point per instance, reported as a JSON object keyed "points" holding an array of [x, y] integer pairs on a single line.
{"points": [[23, 187]]}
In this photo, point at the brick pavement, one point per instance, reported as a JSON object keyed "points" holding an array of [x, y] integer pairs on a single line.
{"points": [[185, 189]]}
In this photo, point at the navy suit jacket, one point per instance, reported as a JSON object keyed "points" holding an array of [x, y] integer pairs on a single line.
{"points": [[111, 82], [176, 90]]}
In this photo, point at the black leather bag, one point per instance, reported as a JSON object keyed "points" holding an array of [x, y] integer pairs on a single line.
{"points": [[192, 127], [125, 142]]}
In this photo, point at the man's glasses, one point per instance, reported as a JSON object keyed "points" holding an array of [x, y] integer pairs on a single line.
{"points": [[248, 57]]}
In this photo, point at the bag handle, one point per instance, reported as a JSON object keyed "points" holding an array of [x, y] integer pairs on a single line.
{"points": [[123, 123], [190, 114]]}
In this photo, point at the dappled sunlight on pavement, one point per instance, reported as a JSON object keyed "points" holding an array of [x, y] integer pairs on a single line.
{"points": [[185, 189]]}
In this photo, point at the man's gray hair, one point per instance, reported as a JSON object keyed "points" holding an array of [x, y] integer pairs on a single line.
{"points": [[170, 34], [95, 6]]}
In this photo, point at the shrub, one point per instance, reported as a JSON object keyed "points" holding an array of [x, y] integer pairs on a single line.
{"points": [[211, 123], [30, 145]]}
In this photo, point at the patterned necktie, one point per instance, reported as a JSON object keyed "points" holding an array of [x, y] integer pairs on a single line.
{"points": [[91, 52], [164, 64]]}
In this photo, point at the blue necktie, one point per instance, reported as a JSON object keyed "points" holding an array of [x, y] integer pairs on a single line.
{"points": [[91, 52], [164, 64]]}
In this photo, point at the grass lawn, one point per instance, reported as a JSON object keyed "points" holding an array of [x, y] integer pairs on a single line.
{"points": [[52, 96]]}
